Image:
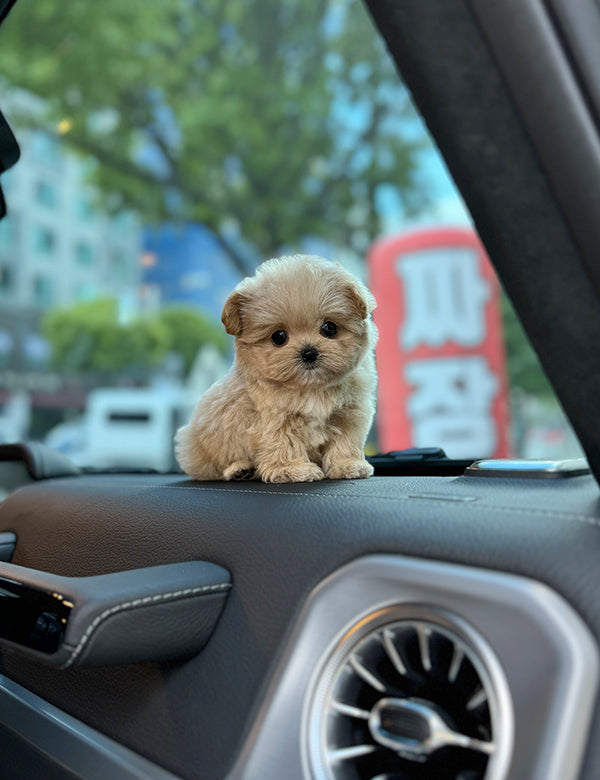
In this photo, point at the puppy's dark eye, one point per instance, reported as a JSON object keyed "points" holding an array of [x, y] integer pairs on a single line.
{"points": [[279, 337], [328, 329]]}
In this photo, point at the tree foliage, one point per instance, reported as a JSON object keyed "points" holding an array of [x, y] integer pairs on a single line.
{"points": [[188, 330], [269, 119], [88, 338], [525, 373]]}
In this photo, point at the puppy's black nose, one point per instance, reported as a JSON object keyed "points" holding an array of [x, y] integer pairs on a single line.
{"points": [[309, 354]]}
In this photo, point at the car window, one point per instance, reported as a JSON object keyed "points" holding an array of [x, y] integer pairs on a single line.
{"points": [[168, 147]]}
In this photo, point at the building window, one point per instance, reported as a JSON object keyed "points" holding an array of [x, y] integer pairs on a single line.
{"points": [[83, 208], [43, 292], [119, 266], [84, 254], [46, 194], [44, 240]]}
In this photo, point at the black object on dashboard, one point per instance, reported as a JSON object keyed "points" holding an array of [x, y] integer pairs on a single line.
{"points": [[416, 461]]}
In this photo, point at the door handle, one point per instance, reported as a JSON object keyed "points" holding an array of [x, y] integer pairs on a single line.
{"points": [[158, 613]]}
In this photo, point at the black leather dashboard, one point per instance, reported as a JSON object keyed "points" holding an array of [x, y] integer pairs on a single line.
{"points": [[278, 543]]}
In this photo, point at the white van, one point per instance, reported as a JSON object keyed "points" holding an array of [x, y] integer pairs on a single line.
{"points": [[125, 427]]}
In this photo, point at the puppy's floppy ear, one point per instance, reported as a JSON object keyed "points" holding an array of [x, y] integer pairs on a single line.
{"points": [[231, 316], [360, 299]]}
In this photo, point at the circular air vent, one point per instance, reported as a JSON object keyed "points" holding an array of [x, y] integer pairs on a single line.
{"points": [[400, 699]]}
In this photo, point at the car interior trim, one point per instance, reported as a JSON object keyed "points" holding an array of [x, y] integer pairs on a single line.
{"points": [[526, 39], [148, 614], [513, 525], [560, 687], [579, 24], [67, 741], [334, 683]]}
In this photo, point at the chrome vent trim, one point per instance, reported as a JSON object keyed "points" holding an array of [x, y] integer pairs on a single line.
{"points": [[541, 648], [408, 692]]}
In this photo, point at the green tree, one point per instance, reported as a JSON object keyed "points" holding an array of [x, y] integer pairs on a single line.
{"points": [[88, 338], [189, 330], [525, 373], [270, 119]]}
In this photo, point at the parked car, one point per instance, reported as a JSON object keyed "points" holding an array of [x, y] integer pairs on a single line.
{"points": [[125, 427], [438, 620]]}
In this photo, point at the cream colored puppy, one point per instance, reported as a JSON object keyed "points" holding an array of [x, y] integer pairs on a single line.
{"points": [[298, 402]]}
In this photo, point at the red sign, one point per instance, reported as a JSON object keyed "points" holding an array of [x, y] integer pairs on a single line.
{"points": [[440, 355]]}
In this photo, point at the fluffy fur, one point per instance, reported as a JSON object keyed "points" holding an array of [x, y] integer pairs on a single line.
{"points": [[301, 411]]}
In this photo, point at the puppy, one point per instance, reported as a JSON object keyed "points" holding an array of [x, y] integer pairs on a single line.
{"points": [[298, 402]]}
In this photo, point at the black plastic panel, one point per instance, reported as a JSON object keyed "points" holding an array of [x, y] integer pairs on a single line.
{"points": [[19, 760], [32, 618], [552, 99]]}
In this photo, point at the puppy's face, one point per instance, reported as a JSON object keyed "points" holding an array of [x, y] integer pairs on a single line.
{"points": [[300, 320]]}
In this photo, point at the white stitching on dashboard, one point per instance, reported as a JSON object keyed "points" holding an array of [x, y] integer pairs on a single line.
{"points": [[244, 490], [247, 490], [475, 505], [222, 586]]}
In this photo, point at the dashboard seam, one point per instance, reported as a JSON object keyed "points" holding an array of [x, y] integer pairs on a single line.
{"points": [[480, 505]]}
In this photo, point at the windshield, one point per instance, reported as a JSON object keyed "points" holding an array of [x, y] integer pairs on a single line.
{"points": [[169, 147]]}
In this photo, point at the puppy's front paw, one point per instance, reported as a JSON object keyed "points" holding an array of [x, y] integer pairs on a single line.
{"points": [[349, 469], [292, 472], [239, 470]]}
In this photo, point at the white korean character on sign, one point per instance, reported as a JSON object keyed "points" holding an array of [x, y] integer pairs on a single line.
{"points": [[451, 405], [445, 297]]}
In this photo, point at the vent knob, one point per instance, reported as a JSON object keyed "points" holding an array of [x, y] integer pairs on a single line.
{"points": [[414, 729]]}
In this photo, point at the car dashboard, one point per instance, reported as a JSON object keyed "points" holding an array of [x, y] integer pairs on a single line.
{"points": [[400, 626]]}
